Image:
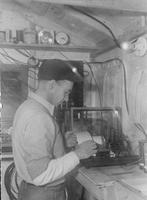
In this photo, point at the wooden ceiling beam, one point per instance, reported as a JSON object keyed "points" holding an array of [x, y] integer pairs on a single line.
{"points": [[132, 6]]}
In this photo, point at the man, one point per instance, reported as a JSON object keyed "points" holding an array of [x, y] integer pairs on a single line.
{"points": [[38, 149]]}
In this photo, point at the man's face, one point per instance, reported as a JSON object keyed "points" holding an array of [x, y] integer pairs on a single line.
{"points": [[62, 91]]}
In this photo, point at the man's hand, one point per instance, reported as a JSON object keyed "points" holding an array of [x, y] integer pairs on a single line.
{"points": [[70, 139], [86, 149]]}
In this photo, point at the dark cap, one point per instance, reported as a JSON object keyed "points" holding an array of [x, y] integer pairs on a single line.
{"points": [[55, 69]]}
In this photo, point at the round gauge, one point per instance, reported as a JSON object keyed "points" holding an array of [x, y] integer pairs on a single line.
{"points": [[46, 37], [62, 38]]}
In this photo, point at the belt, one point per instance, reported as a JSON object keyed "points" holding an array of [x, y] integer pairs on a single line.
{"points": [[50, 187], [59, 186]]}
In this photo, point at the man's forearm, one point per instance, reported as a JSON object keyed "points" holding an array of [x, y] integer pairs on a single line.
{"points": [[57, 168]]}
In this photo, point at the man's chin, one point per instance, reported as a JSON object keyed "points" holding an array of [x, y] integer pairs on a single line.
{"points": [[59, 103]]}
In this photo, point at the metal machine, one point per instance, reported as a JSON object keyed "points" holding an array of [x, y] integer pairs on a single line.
{"points": [[103, 125]]}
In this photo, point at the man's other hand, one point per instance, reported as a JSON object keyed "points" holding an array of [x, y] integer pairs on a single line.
{"points": [[70, 139]]}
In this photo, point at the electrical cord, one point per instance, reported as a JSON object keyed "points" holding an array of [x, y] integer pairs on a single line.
{"points": [[22, 53], [100, 22], [100, 97], [124, 74], [140, 127], [10, 58], [108, 61], [5, 57], [9, 175]]}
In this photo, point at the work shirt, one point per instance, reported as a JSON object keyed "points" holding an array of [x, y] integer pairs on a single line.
{"points": [[37, 144]]}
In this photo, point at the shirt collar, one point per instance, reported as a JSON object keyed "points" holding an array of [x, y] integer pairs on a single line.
{"points": [[42, 101]]}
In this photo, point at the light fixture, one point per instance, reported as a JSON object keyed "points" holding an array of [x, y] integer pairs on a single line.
{"points": [[125, 45], [128, 45], [137, 46], [74, 69], [1, 105]]}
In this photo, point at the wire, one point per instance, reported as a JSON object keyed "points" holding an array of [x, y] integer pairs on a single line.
{"points": [[29, 54], [124, 73], [7, 56], [100, 22], [107, 61], [140, 127], [100, 97], [4, 56], [24, 54]]}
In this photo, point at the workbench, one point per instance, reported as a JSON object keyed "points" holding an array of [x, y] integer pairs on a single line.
{"points": [[114, 183]]}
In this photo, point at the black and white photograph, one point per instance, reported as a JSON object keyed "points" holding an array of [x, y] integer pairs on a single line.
{"points": [[73, 99]]}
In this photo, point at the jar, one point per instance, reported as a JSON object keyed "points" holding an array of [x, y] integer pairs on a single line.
{"points": [[30, 36], [2, 36], [145, 156]]}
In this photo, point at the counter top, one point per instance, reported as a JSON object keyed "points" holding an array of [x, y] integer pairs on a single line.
{"points": [[123, 180], [110, 183]]}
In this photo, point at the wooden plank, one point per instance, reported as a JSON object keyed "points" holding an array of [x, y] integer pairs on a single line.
{"points": [[57, 48], [133, 6]]}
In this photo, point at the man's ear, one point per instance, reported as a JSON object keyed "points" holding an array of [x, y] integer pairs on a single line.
{"points": [[51, 84]]}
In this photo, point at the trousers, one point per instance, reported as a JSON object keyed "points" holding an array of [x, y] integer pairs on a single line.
{"points": [[29, 191]]}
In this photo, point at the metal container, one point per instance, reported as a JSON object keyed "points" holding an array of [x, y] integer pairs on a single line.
{"points": [[30, 36]]}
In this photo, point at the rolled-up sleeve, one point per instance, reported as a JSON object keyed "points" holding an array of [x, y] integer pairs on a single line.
{"points": [[57, 168]]}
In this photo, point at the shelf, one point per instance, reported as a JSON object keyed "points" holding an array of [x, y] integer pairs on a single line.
{"points": [[42, 47]]}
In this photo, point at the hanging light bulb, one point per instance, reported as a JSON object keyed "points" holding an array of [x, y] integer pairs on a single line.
{"points": [[137, 46], [128, 46], [1, 105], [74, 69], [125, 45]]}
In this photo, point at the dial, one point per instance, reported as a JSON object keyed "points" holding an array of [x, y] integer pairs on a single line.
{"points": [[46, 37], [62, 38]]}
